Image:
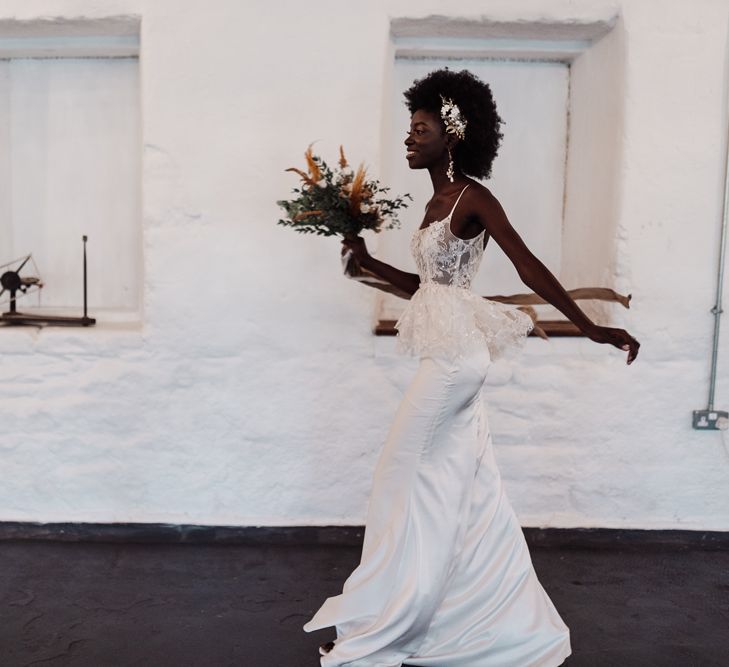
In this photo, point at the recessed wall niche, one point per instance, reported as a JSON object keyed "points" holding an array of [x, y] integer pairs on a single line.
{"points": [[559, 88], [70, 161]]}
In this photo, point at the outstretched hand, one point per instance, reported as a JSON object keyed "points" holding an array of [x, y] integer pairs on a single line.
{"points": [[617, 337]]}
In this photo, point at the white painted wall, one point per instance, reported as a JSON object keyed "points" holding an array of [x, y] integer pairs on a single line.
{"points": [[254, 392], [594, 169]]}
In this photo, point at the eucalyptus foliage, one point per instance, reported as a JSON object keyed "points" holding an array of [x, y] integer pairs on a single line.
{"points": [[339, 201]]}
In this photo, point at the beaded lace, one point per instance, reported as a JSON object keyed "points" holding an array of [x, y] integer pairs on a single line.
{"points": [[444, 318]]}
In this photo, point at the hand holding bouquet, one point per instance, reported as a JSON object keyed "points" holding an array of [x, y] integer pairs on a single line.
{"points": [[339, 201]]}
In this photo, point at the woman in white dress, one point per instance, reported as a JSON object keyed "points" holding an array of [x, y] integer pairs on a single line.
{"points": [[445, 578]]}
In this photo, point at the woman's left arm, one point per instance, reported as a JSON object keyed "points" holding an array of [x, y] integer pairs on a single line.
{"points": [[535, 275]]}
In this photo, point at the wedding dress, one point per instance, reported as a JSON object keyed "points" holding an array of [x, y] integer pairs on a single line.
{"points": [[445, 578]]}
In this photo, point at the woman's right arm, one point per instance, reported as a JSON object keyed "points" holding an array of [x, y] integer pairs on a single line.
{"points": [[407, 282]]}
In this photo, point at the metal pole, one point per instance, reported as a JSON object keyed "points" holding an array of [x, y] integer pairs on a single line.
{"points": [[85, 238], [717, 310]]}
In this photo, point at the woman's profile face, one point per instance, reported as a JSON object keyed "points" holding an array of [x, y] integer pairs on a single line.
{"points": [[426, 141]]}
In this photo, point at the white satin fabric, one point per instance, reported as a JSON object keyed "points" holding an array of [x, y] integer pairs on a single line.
{"points": [[445, 578]]}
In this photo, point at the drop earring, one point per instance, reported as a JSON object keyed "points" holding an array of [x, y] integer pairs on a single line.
{"points": [[449, 171]]}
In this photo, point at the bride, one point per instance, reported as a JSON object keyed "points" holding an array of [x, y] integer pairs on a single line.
{"points": [[445, 578]]}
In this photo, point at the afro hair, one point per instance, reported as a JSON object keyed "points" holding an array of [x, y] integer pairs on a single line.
{"points": [[475, 154]]}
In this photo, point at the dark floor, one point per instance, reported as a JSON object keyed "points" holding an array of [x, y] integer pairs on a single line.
{"points": [[209, 605]]}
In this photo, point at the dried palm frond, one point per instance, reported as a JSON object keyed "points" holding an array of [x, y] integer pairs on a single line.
{"points": [[304, 176], [538, 331], [355, 197], [314, 170], [599, 293], [305, 214], [338, 201], [353, 270]]}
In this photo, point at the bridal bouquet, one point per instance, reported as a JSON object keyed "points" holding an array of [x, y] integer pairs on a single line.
{"points": [[339, 201]]}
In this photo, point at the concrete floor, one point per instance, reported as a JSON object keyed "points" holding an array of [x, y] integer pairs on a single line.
{"points": [[67, 603]]}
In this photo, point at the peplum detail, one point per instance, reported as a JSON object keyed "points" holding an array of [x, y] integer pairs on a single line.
{"points": [[450, 322], [444, 318]]}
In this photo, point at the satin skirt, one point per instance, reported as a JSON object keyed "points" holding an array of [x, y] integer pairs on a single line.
{"points": [[445, 578]]}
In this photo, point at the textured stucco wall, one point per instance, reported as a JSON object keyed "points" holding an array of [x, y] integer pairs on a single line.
{"points": [[253, 393]]}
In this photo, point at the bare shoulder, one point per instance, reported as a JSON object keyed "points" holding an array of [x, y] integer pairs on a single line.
{"points": [[479, 200]]}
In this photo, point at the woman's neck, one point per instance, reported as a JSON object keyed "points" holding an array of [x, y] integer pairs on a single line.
{"points": [[440, 179]]}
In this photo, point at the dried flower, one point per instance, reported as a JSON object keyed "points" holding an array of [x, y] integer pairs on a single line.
{"points": [[314, 170], [339, 201]]}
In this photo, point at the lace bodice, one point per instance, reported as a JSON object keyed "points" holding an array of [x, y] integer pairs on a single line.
{"points": [[444, 317], [444, 258]]}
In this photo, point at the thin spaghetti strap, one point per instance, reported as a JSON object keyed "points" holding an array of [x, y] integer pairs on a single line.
{"points": [[427, 206], [457, 200]]}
